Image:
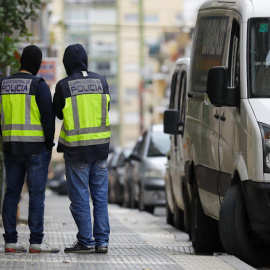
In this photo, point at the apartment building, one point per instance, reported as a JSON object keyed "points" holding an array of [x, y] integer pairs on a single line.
{"points": [[143, 26], [119, 36]]}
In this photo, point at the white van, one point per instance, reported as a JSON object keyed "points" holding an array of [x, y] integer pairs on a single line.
{"points": [[227, 129], [175, 181]]}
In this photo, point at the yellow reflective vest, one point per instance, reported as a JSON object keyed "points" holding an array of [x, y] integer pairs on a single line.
{"points": [[86, 121], [20, 116]]}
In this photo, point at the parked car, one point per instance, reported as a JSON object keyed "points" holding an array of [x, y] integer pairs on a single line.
{"points": [[227, 130], [116, 172], [177, 204], [147, 186]]}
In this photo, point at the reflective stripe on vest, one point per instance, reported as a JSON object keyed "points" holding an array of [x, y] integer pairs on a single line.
{"points": [[20, 119], [86, 120]]}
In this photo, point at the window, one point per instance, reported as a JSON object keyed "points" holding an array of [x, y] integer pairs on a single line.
{"points": [[173, 84], [209, 49], [103, 16], [150, 18], [134, 18], [106, 68], [103, 44], [234, 58], [159, 144], [182, 98], [77, 15], [178, 96], [259, 57]]}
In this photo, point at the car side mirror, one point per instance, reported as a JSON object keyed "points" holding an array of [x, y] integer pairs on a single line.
{"points": [[218, 91], [171, 122]]}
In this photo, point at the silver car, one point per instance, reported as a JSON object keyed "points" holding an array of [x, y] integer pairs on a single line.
{"points": [[149, 158]]}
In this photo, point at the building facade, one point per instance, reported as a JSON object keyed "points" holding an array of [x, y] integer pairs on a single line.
{"points": [[125, 41]]}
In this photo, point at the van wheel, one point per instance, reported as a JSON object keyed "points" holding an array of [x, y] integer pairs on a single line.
{"points": [[187, 214], [169, 215], [235, 230], [178, 217], [204, 230]]}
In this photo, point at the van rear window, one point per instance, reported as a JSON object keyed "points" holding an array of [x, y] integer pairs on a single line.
{"points": [[208, 49]]}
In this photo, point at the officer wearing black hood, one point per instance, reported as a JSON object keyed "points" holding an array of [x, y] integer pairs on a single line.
{"points": [[82, 100], [27, 129]]}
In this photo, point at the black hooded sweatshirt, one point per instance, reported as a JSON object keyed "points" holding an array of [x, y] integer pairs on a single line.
{"points": [[75, 61]]}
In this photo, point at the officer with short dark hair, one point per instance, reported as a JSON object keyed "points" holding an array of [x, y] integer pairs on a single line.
{"points": [[82, 100], [27, 127]]}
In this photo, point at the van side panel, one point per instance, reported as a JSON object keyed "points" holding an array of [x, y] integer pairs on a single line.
{"points": [[203, 119]]}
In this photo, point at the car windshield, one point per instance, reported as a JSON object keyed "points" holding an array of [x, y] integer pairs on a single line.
{"points": [[259, 57], [159, 144]]}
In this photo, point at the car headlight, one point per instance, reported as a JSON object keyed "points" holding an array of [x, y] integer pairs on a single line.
{"points": [[154, 174], [265, 130]]}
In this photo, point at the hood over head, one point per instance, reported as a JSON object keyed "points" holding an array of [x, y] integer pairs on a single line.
{"points": [[75, 59], [31, 59]]}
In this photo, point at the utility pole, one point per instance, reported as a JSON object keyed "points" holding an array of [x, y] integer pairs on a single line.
{"points": [[141, 46]]}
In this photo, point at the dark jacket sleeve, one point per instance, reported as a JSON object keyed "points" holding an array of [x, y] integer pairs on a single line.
{"points": [[44, 103], [58, 102]]}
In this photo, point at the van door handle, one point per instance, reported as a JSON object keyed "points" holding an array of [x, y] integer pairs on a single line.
{"points": [[216, 116], [222, 118]]}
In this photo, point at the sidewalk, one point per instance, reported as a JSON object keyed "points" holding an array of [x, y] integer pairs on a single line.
{"points": [[138, 241]]}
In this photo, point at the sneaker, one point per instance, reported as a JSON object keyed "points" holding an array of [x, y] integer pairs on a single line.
{"points": [[101, 249], [77, 247], [15, 247], [44, 247]]}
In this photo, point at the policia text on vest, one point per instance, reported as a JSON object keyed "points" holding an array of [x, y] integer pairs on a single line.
{"points": [[18, 86], [85, 86]]}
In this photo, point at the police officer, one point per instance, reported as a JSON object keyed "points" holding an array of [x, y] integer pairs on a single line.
{"points": [[82, 100], [27, 128]]}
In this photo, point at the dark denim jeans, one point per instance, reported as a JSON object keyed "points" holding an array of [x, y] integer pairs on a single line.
{"points": [[80, 177], [36, 169]]}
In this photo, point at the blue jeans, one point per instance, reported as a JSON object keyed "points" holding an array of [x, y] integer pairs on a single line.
{"points": [[80, 177], [36, 169]]}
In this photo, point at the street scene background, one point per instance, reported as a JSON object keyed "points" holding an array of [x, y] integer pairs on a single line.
{"points": [[134, 44]]}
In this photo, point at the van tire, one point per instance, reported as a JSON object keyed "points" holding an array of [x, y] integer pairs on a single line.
{"points": [[204, 230], [169, 215], [187, 212], [235, 230], [178, 217]]}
